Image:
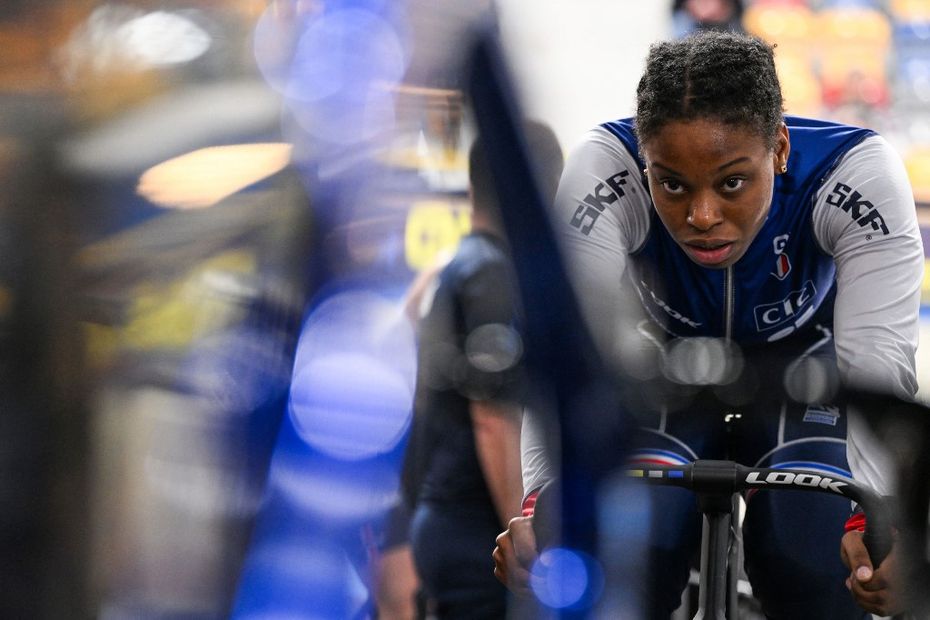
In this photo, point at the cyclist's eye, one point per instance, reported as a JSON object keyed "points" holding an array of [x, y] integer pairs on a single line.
{"points": [[672, 186], [733, 184]]}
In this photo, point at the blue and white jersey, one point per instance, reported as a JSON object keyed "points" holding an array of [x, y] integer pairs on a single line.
{"points": [[840, 249], [784, 280]]}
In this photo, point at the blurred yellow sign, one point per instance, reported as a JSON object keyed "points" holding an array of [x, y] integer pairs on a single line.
{"points": [[434, 228]]}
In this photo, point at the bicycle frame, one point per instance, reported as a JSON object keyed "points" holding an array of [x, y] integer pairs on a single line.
{"points": [[715, 483]]}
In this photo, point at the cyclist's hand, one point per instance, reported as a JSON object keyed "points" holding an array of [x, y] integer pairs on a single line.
{"points": [[515, 554], [877, 591]]}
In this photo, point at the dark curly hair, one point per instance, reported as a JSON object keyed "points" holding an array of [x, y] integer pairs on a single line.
{"points": [[724, 76]]}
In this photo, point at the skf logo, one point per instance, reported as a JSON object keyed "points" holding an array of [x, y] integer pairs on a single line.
{"points": [[782, 264], [586, 214], [769, 316], [862, 211], [801, 480]]}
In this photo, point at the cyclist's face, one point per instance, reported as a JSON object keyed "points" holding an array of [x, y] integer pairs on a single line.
{"points": [[711, 184]]}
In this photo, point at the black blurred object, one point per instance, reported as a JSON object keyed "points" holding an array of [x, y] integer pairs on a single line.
{"points": [[904, 428], [547, 522], [43, 414], [570, 381]]}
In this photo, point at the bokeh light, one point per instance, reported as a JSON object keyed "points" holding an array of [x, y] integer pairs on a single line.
{"points": [[342, 53], [812, 380], [353, 381], [301, 577], [564, 578], [337, 494], [637, 352], [350, 406], [702, 361], [361, 321], [337, 70], [494, 347], [122, 38], [163, 38]]}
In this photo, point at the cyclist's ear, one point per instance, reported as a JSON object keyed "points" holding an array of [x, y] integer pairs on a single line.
{"points": [[782, 149]]}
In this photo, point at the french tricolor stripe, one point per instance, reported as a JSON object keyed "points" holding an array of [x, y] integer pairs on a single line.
{"points": [[657, 457], [782, 266]]}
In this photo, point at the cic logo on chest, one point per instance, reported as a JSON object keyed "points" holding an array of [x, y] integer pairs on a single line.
{"points": [[784, 316], [782, 263]]}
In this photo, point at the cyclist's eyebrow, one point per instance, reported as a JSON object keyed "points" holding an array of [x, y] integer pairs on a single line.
{"points": [[667, 169], [738, 160], [671, 171]]}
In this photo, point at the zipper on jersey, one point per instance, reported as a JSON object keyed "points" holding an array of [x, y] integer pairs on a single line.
{"points": [[728, 304]]}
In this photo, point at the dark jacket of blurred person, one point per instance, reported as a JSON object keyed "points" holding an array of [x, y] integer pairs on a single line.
{"points": [[462, 471]]}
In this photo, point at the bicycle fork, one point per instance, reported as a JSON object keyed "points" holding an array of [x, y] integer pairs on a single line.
{"points": [[717, 508]]}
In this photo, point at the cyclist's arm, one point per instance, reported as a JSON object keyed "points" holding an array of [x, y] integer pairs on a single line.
{"points": [[602, 213], [597, 227], [877, 248]]}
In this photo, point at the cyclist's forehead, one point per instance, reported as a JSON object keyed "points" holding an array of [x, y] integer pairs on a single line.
{"points": [[705, 145]]}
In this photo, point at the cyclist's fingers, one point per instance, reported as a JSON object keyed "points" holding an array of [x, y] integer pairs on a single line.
{"points": [[872, 602], [855, 556], [508, 565], [517, 581], [503, 558], [507, 569], [523, 539], [882, 601], [867, 591], [875, 579], [844, 554], [877, 583]]}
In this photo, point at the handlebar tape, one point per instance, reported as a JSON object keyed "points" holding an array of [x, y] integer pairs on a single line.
{"points": [[877, 537]]}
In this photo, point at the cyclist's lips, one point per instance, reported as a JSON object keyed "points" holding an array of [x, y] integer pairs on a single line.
{"points": [[709, 252]]}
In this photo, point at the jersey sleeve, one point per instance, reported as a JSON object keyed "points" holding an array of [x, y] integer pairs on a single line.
{"points": [[600, 215], [865, 218], [539, 459]]}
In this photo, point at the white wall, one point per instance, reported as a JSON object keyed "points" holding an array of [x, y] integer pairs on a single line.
{"points": [[577, 64]]}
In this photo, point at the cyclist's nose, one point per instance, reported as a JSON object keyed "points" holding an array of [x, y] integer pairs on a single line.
{"points": [[704, 213]]}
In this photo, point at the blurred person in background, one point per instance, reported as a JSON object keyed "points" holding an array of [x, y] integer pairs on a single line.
{"points": [[794, 238], [689, 16], [462, 470], [397, 586]]}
